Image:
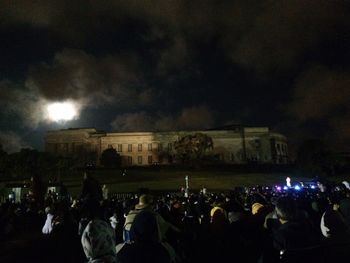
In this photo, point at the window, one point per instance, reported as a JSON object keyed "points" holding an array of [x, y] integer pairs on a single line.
{"points": [[129, 147], [160, 147], [129, 160], [150, 160], [120, 147], [139, 147], [110, 146], [170, 147], [139, 159], [150, 146]]}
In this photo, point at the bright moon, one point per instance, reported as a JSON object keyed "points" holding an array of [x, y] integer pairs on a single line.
{"points": [[62, 111]]}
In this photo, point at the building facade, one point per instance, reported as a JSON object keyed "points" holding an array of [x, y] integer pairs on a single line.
{"points": [[233, 145]]}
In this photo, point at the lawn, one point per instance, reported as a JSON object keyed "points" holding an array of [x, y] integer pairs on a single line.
{"points": [[164, 179], [174, 180]]}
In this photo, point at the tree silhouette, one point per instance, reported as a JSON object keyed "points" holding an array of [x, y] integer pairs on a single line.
{"points": [[110, 158], [193, 147], [315, 158]]}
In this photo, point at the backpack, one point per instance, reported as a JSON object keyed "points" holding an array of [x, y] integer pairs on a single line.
{"points": [[127, 225]]}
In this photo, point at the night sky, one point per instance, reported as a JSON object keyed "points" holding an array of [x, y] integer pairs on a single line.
{"points": [[163, 65]]}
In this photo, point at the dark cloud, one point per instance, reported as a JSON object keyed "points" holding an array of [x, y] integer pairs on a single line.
{"points": [[200, 117], [35, 13], [323, 94], [20, 105], [174, 57], [12, 142], [284, 30], [74, 74], [263, 35], [133, 122]]}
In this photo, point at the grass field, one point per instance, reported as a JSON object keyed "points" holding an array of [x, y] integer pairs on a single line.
{"points": [[174, 180]]}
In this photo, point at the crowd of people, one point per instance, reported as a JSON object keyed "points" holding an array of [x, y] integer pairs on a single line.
{"points": [[307, 223]]}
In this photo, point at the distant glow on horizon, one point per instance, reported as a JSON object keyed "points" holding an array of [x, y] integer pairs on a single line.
{"points": [[62, 111]]}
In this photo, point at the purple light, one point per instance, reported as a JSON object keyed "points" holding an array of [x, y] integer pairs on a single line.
{"points": [[279, 188]]}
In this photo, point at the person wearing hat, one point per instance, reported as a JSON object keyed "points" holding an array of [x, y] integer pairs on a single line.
{"points": [[146, 203], [256, 207], [145, 245]]}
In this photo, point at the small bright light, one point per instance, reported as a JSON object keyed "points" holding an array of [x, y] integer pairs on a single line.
{"points": [[313, 187], [297, 187], [285, 187], [62, 111]]}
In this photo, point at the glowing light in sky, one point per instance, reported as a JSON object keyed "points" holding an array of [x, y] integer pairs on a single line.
{"points": [[62, 111]]}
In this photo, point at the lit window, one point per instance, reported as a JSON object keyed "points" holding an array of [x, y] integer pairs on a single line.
{"points": [[120, 147]]}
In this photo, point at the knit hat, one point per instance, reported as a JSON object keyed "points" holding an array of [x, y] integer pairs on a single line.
{"points": [[256, 207], [98, 240]]}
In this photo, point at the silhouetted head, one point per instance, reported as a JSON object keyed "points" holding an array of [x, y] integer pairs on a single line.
{"points": [[286, 209]]}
